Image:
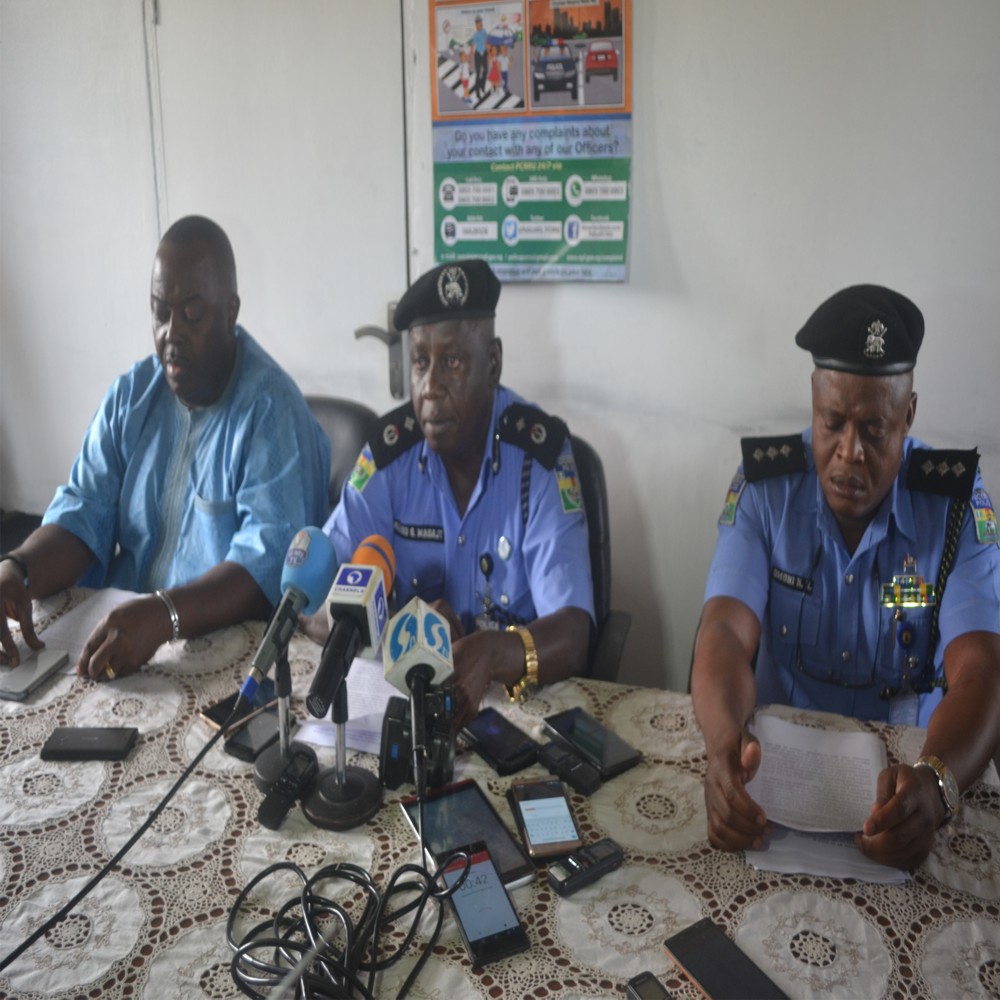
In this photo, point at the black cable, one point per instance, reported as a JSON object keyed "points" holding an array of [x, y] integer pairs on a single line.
{"points": [[289, 950], [126, 847]]}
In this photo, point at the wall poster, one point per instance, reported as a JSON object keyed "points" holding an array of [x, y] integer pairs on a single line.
{"points": [[532, 120]]}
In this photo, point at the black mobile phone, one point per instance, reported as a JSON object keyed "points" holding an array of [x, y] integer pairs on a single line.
{"points": [[461, 813], [609, 753], [585, 866], [500, 743], [217, 714], [544, 817], [260, 731], [16, 683], [646, 986], [487, 920], [717, 965], [89, 743]]}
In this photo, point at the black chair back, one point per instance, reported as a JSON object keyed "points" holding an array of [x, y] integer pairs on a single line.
{"points": [[348, 425], [612, 626]]}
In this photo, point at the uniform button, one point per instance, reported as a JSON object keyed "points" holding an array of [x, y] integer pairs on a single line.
{"points": [[846, 656], [504, 600], [414, 583], [849, 579], [783, 630], [461, 539]]}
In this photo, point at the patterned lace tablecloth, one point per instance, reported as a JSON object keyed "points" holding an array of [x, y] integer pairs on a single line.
{"points": [[156, 926]]}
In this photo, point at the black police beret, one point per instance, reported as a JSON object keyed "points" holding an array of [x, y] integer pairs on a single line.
{"points": [[465, 289], [865, 330]]}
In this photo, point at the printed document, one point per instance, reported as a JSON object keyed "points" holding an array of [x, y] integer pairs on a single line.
{"points": [[815, 779]]}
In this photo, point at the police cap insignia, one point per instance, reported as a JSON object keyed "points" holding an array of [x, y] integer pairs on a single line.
{"points": [[864, 330], [464, 289]]}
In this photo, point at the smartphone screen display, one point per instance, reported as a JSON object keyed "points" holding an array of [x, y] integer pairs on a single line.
{"points": [[544, 817], [499, 742], [609, 753], [461, 814], [486, 917], [718, 966]]}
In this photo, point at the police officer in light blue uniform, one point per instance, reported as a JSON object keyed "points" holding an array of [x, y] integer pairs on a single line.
{"points": [[856, 571], [477, 492]]}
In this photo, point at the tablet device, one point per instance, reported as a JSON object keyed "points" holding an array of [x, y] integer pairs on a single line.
{"points": [[461, 813]]}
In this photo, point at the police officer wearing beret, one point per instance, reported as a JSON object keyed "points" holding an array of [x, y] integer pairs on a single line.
{"points": [[477, 492], [856, 571]]}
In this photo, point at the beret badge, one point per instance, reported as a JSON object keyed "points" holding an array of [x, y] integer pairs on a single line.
{"points": [[453, 287], [875, 344]]}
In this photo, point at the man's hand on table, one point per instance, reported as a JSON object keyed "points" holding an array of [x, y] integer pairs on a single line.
{"points": [[735, 821], [16, 604], [125, 639], [906, 814]]}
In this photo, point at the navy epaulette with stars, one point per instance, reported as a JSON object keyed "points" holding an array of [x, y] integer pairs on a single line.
{"points": [[946, 472], [534, 431], [764, 457], [397, 433]]}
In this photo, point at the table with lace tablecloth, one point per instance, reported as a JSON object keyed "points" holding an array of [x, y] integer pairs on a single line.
{"points": [[155, 927]]}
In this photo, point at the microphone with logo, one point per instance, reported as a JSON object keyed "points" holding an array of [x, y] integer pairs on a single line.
{"points": [[418, 658], [358, 604], [305, 579]]}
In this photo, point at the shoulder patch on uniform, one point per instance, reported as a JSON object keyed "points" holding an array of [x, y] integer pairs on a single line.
{"points": [[534, 431], [764, 457], [364, 469], [398, 431], [984, 517], [569, 486], [728, 516], [945, 472]]}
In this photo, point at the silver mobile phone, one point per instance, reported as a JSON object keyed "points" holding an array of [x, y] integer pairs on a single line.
{"points": [[16, 683]]}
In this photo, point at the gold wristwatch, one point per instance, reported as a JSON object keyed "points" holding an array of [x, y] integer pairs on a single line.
{"points": [[529, 681], [947, 785]]}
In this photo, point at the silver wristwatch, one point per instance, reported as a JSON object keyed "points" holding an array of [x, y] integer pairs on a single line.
{"points": [[947, 785]]}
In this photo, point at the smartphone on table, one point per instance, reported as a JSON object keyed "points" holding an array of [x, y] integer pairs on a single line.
{"points": [[718, 966], [544, 818], [260, 730], [487, 920], [605, 750], [217, 714], [499, 742]]}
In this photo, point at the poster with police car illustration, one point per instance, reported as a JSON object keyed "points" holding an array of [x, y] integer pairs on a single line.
{"points": [[532, 136]]}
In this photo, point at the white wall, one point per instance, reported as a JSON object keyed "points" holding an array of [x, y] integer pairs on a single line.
{"points": [[782, 149]]}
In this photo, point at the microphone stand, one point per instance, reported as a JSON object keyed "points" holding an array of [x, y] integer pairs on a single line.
{"points": [[344, 796], [271, 761]]}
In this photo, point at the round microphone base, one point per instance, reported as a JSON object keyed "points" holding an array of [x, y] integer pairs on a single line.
{"points": [[271, 762], [341, 805]]}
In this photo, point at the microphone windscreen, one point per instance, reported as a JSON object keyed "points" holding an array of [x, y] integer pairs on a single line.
{"points": [[309, 567], [376, 551], [417, 635]]}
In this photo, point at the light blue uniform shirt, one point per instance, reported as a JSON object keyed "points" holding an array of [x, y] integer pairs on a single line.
{"points": [[826, 641], [538, 567], [161, 494]]}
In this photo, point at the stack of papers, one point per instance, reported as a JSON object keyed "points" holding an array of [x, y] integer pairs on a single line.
{"points": [[818, 787]]}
